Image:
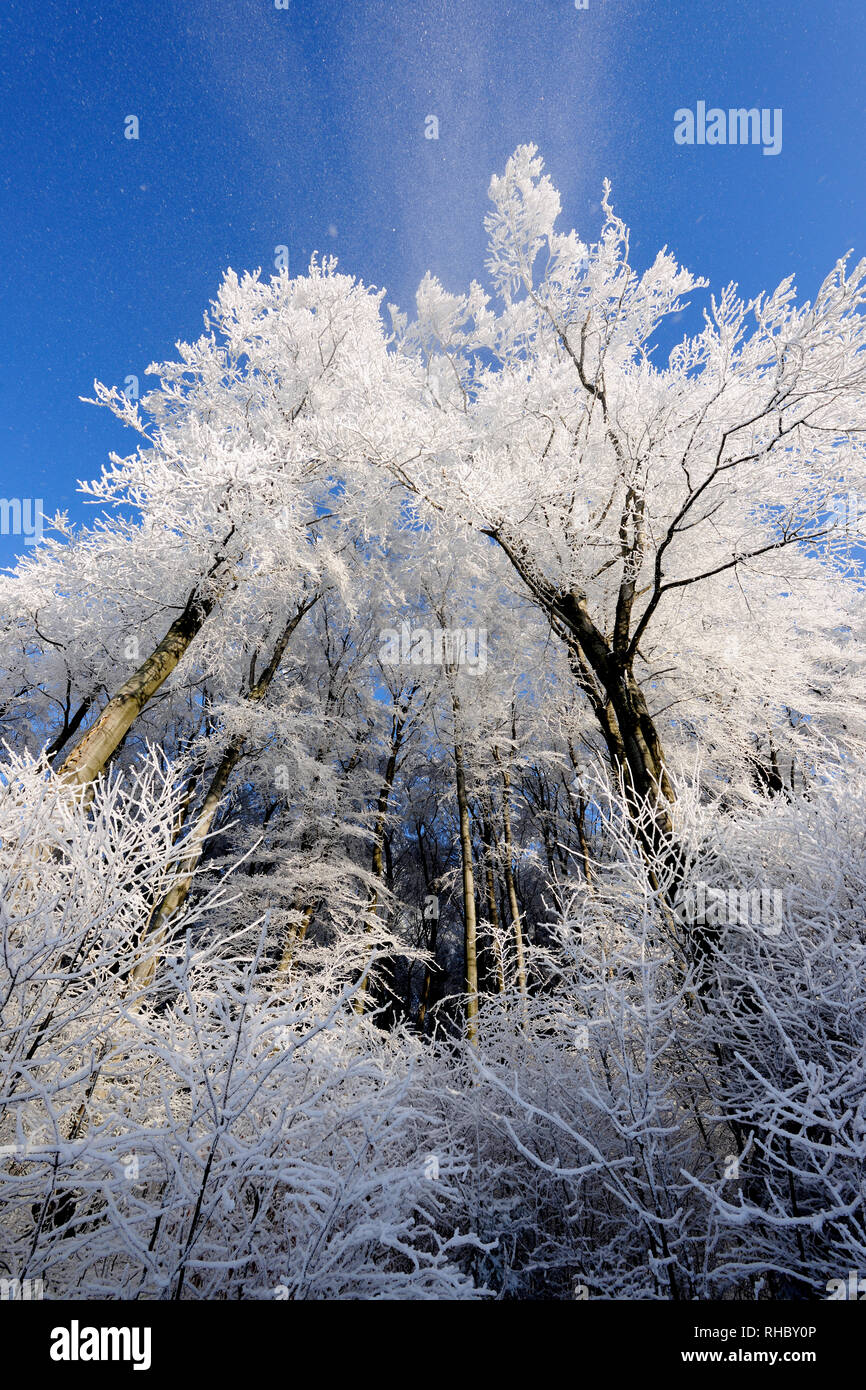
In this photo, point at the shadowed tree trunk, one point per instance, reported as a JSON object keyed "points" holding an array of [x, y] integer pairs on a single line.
{"points": [[509, 877], [470, 935], [377, 866], [71, 725], [580, 819], [424, 1001], [490, 885], [603, 666], [430, 887]]}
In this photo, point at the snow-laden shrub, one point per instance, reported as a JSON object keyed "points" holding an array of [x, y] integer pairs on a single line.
{"points": [[227, 1130], [694, 1088], [672, 1112]]}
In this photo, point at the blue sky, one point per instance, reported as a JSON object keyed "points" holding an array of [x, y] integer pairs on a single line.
{"points": [[305, 127]]}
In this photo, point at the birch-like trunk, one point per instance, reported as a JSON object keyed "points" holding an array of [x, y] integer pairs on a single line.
{"points": [[88, 758]]}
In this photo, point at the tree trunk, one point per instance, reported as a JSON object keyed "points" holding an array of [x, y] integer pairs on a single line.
{"points": [[580, 819], [429, 885], [295, 938], [424, 1001], [377, 864], [89, 757], [70, 728], [469, 918], [603, 665], [509, 881], [490, 885]]}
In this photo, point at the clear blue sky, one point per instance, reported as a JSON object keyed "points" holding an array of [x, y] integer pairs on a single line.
{"points": [[305, 127]]}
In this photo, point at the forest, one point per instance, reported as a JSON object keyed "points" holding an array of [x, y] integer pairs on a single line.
{"points": [[431, 797]]}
